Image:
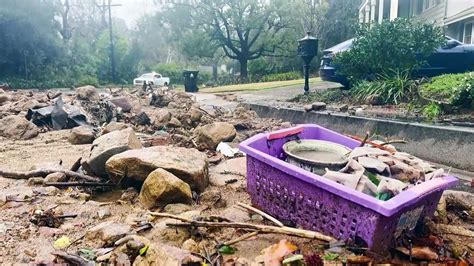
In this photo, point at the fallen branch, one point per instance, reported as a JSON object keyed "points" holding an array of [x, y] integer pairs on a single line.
{"points": [[44, 173], [71, 259], [79, 184], [261, 228], [240, 238], [257, 211]]}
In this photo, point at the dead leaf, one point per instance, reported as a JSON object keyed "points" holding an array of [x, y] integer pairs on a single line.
{"points": [[424, 253], [274, 254]]}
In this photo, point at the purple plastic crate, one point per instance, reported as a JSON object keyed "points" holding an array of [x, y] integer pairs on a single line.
{"points": [[316, 203]]}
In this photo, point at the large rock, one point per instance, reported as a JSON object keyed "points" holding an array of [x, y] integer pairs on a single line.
{"points": [[107, 146], [162, 187], [123, 103], [160, 254], [108, 232], [81, 135], [87, 93], [209, 136], [114, 126], [161, 117], [189, 165], [4, 97], [17, 127]]}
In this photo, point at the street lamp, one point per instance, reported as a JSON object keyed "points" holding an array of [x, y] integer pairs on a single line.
{"points": [[307, 49]]}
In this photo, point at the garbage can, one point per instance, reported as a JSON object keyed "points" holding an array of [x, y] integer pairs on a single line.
{"points": [[190, 80]]}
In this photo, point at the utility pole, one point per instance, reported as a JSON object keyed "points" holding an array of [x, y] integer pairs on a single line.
{"points": [[111, 35]]}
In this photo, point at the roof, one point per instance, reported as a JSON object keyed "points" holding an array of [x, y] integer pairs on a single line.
{"points": [[465, 14]]}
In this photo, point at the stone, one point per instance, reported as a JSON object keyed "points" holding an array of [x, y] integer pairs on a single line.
{"points": [[161, 116], [87, 93], [107, 146], [4, 98], [17, 128], [161, 254], [236, 214], [191, 246], [108, 232], [35, 181], [195, 114], [174, 235], [343, 108], [48, 231], [81, 135], [308, 108], [162, 187], [174, 122], [209, 136], [55, 177], [285, 125], [189, 165], [25, 104], [46, 191], [177, 208], [123, 103], [114, 126], [103, 213], [142, 119], [318, 106]]}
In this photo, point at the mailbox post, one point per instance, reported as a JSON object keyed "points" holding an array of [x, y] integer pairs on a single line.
{"points": [[307, 49]]}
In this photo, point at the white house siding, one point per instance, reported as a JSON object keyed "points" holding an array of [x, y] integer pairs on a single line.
{"points": [[457, 6], [435, 14]]}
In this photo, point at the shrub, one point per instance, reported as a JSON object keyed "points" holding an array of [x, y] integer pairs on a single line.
{"points": [[401, 44], [451, 89], [392, 87], [431, 111], [281, 76]]}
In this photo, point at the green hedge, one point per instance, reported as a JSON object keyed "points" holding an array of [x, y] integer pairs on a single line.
{"points": [[451, 89], [281, 76]]}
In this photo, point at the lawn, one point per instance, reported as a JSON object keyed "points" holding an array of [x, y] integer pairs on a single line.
{"points": [[256, 86]]}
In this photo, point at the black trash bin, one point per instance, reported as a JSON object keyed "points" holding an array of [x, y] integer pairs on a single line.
{"points": [[190, 80]]}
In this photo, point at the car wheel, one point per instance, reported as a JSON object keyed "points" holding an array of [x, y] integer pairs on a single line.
{"points": [[165, 84]]}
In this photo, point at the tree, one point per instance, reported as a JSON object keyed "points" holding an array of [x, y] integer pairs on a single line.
{"points": [[244, 29]]}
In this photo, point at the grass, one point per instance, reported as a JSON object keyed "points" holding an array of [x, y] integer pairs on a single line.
{"points": [[256, 86]]}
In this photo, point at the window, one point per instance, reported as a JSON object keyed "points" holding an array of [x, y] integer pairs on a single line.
{"points": [[427, 4], [468, 30]]}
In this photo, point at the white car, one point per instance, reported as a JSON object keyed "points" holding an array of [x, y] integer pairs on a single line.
{"points": [[152, 79]]}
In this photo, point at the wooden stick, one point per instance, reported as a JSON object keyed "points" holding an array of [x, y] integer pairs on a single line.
{"points": [[76, 165], [257, 211], [45, 172], [70, 258], [80, 184], [240, 238], [261, 228]]}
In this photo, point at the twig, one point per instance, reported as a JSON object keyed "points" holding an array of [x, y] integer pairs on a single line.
{"points": [[261, 228], [70, 258], [257, 211], [80, 184], [76, 165], [45, 172], [231, 173], [365, 139], [240, 238], [393, 141]]}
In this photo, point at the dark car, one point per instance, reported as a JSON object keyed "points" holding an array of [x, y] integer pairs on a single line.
{"points": [[453, 57]]}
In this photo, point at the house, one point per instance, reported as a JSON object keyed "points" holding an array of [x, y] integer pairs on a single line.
{"points": [[456, 16]]}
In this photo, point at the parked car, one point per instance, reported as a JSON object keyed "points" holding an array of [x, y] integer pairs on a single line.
{"points": [[152, 79], [453, 57]]}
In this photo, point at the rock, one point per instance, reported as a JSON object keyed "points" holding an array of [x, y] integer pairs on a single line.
{"points": [[87, 93], [209, 136], [177, 208], [374, 100], [48, 231], [129, 195], [359, 111], [162, 187], [114, 126], [4, 98], [35, 181], [174, 122], [318, 106], [3, 199], [459, 200], [108, 145], [48, 165], [308, 108], [25, 104], [17, 128], [195, 114], [189, 165], [108, 232], [236, 214], [55, 177], [285, 125], [123, 103], [103, 213], [161, 116], [46, 191], [343, 108], [162, 254], [174, 235], [142, 119], [191, 246], [81, 135]]}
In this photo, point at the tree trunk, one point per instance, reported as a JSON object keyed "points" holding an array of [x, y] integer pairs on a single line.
{"points": [[214, 72], [243, 69]]}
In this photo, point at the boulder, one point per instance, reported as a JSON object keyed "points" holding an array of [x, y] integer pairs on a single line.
{"points": [[195, 114], [162, 187], [18, 128], [25, 104], [123, 103], [87, 93], [107, 146], [189, 165], [174, 122], [318, 106], [55, 177], [114, 126], [161, 116], [209, 136], [81, 135], [108, 232]]}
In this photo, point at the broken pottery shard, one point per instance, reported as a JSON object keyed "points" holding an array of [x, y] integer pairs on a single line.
{"points": [[108, 145], [189, 165], [162, 187]]}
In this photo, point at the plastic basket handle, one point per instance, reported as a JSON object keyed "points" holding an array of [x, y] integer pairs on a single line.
{"points": [[284, 132]]}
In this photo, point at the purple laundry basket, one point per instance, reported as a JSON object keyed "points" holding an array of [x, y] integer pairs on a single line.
{"points": [[316, 203]]}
